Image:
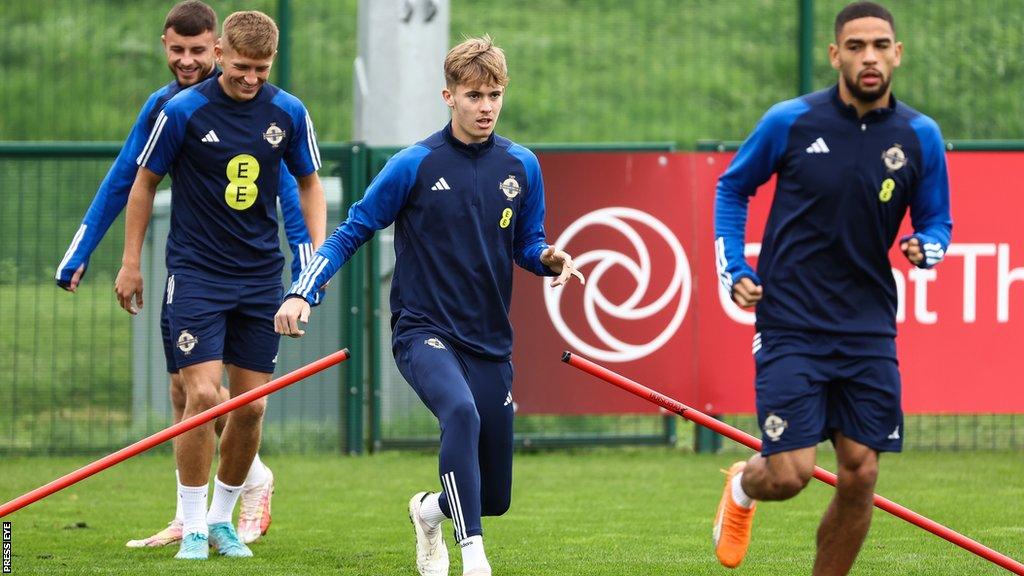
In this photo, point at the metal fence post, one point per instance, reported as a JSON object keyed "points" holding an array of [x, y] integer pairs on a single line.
{"points": [[805, 47], [353, 315], [705, 440]]}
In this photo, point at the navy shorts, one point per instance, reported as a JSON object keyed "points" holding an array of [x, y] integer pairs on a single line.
{"points": [[165, 332], [802, 400], [203, 320]]}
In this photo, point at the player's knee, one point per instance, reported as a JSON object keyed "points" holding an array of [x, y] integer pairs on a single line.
{"points": [[252, 412], [202, 397], [790, 484], [495, 505], [464, 417], [859, 477]]}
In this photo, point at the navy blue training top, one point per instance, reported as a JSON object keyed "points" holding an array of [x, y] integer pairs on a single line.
{"points": [[112, 196], [462, 213], [844, 185], [225, 158]]}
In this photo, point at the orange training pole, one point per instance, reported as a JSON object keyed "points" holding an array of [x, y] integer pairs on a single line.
{"points": [[755, 444], [168, 433]]}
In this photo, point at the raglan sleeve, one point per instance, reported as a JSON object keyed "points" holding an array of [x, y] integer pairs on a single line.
{"points": [[929, 205], [753, 165], [110, 199], [379, 207], [530, 240]]}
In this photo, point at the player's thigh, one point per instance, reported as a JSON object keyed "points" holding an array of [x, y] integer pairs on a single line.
{"points": [[790, 403], [196, 314], [242, 380], [491, 384], [250, 342], [853, 455], [865, 404], [792, 466], [434, 371]]}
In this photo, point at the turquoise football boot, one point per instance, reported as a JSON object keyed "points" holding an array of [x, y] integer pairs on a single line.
{"points": [[194, 546], [224, 538]]}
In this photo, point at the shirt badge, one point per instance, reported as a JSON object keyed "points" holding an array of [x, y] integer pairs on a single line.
{"points": [[274, 135], [894, 158], [510, 187]]}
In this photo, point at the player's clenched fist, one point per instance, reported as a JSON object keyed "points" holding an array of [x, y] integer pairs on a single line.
{"points": [[912, 250], [746, 293], [289, 315]]}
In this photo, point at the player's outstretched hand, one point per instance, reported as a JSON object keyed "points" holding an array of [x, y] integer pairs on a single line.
{"points": [[128, 287], [560, 262], [746, 293], [911, 248], [289, 315]]}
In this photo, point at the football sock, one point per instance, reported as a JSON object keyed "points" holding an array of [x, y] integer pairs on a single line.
{"points": [[430, 510], [193, 509], [178, 515], [738, 495], [224, 499], [257, 473], [473, 554]]}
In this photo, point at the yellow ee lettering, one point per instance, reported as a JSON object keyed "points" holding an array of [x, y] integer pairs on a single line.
{"points": [[241, 191], [888, 185], [506, 218]]}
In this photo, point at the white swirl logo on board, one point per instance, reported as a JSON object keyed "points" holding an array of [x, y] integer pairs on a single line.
{"points": [[600, 261]]}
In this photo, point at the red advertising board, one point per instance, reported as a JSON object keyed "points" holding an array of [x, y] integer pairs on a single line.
{"points": [[640, 226]]}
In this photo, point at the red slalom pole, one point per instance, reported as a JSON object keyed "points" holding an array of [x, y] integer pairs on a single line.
{"points": [[825, 476], [168, 433]]}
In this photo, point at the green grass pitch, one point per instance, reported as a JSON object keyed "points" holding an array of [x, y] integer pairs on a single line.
{"points": [[613, 512]]}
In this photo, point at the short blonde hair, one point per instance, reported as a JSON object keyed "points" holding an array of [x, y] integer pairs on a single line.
{"points": [[252, 34], [475, 61]]}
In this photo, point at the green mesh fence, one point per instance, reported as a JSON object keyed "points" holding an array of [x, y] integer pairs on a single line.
{"points": [[79, 374], [950, 432], [582, 71]]}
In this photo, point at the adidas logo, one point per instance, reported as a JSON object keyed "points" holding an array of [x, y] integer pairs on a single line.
{"points": [[818, 147], [441, 184], [895, 434], [508, 399], [211, 136]]}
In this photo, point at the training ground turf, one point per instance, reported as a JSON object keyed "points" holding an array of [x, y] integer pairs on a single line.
{"points": [[612, 512]]}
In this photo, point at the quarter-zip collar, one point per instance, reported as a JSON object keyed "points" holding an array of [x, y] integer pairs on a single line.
{"points": [[472, 150], [849, 111]]}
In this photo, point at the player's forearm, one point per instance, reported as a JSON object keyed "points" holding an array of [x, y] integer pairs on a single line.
{"points": [[314, 208], [140, 208]]}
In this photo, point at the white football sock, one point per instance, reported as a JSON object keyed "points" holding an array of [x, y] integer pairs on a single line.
{"points": [[179, 516], [257, 473], [738, 495], [473, 554], [192, 500], [224, 499], [430, 510]]}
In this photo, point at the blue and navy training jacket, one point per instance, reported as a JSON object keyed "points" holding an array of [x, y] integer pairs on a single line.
{"points": [[463, 214], [844, 185], [112, 196], [227, 159]]}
